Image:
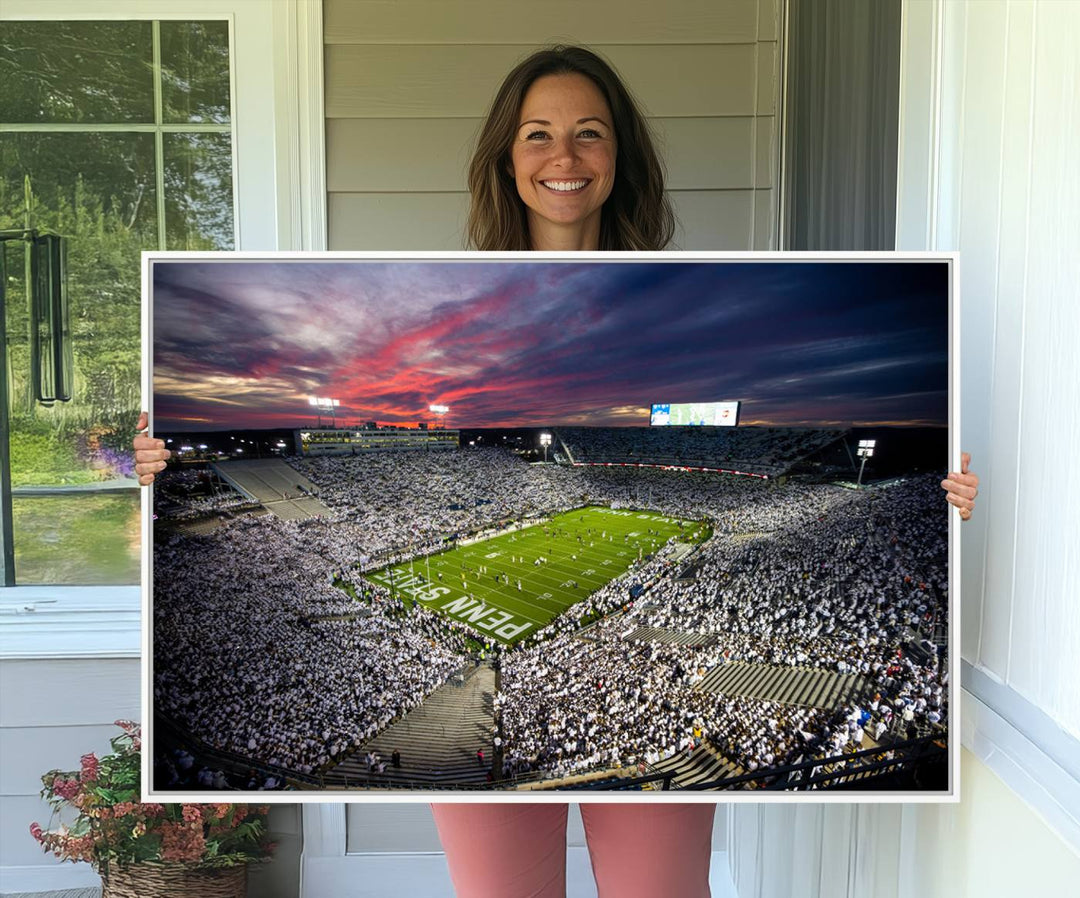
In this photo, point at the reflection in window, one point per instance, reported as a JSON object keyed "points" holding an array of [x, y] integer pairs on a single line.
{"points": [[85, 539], [117, 136], [198, 192], [195, 71], [76, 72]]}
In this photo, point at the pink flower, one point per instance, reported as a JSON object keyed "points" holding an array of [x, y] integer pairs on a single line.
{"points": [[181, 842], [36, 832], [89, 767], [192, 813], [66, 789]]}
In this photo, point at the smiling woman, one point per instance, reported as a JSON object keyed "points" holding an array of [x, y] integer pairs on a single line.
{"points": [[565, 161]]}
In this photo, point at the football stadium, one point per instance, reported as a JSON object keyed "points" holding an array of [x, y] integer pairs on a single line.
{"points": [[516, 526], [635, 613]]}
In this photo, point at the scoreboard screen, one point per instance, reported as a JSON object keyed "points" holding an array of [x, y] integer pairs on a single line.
{"points": [[698, 414]]}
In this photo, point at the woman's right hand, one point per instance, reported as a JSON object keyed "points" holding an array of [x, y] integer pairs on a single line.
{"points": [[150, 454]]}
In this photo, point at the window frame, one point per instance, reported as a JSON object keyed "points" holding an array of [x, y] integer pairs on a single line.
{"points": [[276, 93]]}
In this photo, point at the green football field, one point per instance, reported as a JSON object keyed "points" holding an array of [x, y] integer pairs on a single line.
{"points": [[514, 584]]}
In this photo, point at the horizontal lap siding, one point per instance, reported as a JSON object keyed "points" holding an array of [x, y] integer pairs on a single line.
{"points": [[53, 712], [408, 83], [432, 154], [453, 81], [526, 22]]}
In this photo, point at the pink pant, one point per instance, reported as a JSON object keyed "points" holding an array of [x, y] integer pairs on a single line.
{"points": [[519, 850]]}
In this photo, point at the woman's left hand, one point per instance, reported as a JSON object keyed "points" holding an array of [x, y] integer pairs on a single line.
{"points": [[962, 488]]}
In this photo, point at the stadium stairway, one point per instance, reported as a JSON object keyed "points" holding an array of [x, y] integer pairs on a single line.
{"points": [[676, 637], [705, 765], [790, 685], [438, 741]]}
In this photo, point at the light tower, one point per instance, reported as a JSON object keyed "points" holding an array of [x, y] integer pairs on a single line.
{"points": [[440, 412], [545, 441], [865, 451], [324, 402]]}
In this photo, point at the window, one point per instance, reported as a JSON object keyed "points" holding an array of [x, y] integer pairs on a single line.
{"points": [[118, 136]]}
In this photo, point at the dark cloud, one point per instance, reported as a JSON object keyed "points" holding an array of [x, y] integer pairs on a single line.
{"points": [[243, 343]]}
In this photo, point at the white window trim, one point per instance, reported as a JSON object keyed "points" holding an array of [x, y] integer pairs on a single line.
{"points": [[1031, 754], [281, 199], [70, 622]]}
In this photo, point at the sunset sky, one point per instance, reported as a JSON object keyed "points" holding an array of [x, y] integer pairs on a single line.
{"points": [[244, 343]]}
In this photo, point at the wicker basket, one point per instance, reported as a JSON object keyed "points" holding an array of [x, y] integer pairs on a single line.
{"points": [[174, 881]]}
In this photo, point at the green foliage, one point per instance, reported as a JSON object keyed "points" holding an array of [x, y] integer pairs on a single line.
{"points": [[49, 445], [39, 458]]}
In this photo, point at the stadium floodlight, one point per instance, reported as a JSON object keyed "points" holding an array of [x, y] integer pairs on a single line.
{"points": [[325, 402], [865, 451], [545, 441], [440, 412]]}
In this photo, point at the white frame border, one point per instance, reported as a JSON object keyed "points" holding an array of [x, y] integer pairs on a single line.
{"points": [[328, 821]]}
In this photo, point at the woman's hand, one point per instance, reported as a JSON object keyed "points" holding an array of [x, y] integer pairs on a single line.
{"points": [[150, 454], [961, 489]]}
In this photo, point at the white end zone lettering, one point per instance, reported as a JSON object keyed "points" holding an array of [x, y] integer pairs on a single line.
{"points": [[510, 630], [471, 610]]}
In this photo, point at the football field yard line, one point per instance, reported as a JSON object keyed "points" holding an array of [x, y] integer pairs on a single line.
{"points": [[588, 547]]}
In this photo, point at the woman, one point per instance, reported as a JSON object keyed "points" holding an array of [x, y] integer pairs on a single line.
{"points": [[565, 162]]}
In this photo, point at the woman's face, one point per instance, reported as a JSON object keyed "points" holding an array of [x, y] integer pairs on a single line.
{"points": [[563, 159]]}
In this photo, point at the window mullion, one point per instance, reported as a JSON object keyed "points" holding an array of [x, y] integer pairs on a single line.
{"points": [[99, 127], [159, 136]]}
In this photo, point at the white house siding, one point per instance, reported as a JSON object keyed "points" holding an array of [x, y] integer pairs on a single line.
{"points": [[408, 83], [53, 711]]}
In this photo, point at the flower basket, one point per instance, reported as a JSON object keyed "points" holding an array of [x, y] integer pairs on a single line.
{"points": [[149, 850], [150, 880]]}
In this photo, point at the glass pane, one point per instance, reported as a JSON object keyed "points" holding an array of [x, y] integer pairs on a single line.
{"points": [[195, 71], [77, 540], [98, 191], [198, 192], [76, 72]]}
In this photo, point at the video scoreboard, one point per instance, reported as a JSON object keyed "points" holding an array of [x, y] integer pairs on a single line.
{"points": [[695, 414]]}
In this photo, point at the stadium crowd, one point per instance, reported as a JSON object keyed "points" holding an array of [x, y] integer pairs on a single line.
{"points": [[257, 652], [260, 650], [817, 578]]}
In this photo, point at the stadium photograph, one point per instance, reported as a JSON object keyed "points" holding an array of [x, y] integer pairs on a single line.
{"points": [[667, 524]]}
